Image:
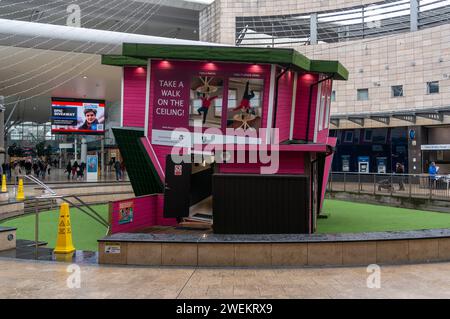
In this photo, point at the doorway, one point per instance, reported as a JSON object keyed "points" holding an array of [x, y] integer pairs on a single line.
{"points": [[188, 189]]}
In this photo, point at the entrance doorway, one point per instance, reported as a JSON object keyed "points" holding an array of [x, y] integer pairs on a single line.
{"points": [[188, 189]]}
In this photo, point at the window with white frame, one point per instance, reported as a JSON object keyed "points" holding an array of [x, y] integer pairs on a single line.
{"points": [[433, 87], [218, 107], [397, 90], [362, 94], [367, 135], [256, 101], [348, 137], [323, 92], [232, 98], [328, 105]]}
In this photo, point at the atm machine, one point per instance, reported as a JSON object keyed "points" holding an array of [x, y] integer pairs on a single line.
{"points": [[381, 165], [363, 164], [345, 163]]}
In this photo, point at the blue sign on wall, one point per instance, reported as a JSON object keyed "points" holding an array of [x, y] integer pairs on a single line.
{"points": [[364, 159]]}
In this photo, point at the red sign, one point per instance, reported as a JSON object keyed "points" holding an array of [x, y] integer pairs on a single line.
{"points": [[178, 170]]}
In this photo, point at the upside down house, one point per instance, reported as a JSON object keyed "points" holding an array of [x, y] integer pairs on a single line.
{"points": [[237, 134]]}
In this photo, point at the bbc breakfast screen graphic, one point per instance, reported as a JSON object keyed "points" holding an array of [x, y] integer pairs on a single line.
{"points": [[78, 116]]}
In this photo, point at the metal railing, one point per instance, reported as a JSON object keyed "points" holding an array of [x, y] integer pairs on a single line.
{"points": [[401, 185], [377, 19], [37, 181], [72, 200]]}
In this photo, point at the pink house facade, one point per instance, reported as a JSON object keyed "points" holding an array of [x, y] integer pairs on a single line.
{"points": [[243, 132]]}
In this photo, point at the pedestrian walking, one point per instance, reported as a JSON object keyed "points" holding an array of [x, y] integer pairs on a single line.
{"points": [[118, 170]]}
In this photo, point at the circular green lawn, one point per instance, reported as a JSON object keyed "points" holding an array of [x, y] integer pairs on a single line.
{"points": [[343, 217], [348, 217]]}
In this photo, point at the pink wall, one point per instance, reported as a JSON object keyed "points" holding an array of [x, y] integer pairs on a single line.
{"points": [[143, 215], [134, 96], [326, 88], [322, 136], [326, 173], [160, 167], [301, 108], [161, 154], [284, 108], [148, 211], [289, 163]]}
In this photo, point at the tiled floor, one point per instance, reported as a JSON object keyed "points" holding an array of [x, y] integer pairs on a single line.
{"points": [[42, 279]]}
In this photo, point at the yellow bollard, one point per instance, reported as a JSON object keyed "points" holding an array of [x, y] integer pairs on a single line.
{"points": [[64, 243], [20, 194], [4, 190]]}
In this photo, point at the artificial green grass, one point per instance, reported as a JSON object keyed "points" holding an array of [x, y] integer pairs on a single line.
{"points": [[85, 230], [348, 217], [343, 217]]}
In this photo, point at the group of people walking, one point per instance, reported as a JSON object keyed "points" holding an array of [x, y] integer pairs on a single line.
{"points": [[75, 170], [40, 168]]}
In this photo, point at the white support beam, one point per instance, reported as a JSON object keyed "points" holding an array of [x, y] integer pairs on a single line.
{"points": [[294, 100], [147, 97], [414, 15], [273, 71], [313, 28]]}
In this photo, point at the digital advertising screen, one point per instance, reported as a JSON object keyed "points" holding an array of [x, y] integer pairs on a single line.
{"points": [[79, 116]]}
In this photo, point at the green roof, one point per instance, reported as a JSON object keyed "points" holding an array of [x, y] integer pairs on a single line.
{"points": [[121, 60], [137, 54]]}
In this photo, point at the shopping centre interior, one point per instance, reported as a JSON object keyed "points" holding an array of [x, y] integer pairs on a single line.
{"points": [[312, 134]]}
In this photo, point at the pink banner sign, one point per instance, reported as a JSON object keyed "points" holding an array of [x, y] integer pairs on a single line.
{"points": [[170, 102]]}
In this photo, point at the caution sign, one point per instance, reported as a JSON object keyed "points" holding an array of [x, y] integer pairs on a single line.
{"points": [[64, 243]]}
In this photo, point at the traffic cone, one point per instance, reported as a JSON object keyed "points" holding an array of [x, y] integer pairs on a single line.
{"points": [[64, 243], [4, 190], [20, 194]]}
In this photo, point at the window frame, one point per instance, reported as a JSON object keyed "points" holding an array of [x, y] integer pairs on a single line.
{"points": [[365, 139], [345, 139], [358, 91], [393, 87], [428, 87], [229, 99]]}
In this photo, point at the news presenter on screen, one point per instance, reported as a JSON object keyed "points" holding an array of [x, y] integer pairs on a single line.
{"points": [[91, 120]]}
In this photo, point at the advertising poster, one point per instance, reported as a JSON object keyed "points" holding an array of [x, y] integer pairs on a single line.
{"points": [[213, 96], [92, 164], [78, 116], [206, 101], [126, 212], [245, 103], [171, 104], [92, 168], [170, 107]]}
